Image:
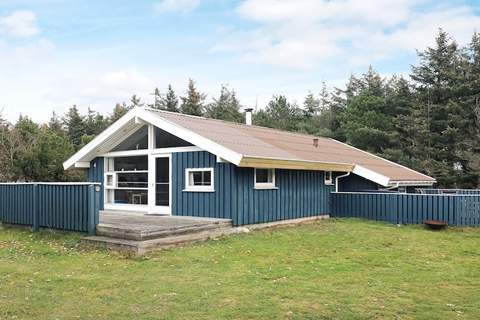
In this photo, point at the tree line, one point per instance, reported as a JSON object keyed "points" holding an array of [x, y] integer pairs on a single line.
{"points": [[429, 120]]}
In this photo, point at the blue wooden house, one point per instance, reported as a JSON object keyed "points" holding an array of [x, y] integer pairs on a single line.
{"points": [[158, 162]]}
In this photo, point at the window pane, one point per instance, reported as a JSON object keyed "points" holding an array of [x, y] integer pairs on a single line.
{"points": [[137, 141], [264, 175], [164, 139], [207, 178], [197, 178], [131, 197], [131, 163], [132, 180]]}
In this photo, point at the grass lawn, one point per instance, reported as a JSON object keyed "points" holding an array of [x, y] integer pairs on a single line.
{"points": [[347, 269]]}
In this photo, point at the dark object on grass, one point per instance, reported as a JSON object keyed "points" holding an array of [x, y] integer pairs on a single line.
{"points": [[435, 224]]}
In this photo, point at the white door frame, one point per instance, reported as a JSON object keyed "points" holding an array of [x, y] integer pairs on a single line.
{"points": [[152, 207]]}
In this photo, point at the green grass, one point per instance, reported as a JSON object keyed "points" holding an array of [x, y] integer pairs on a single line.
{"points": [[347, 269]]}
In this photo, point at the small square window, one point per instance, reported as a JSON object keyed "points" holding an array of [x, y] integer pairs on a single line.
{"points": [[328, 178], [199, 179], [264, 179]]}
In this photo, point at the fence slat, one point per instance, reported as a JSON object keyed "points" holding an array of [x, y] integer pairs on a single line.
{"points": [[455, 209], [50, 205]]}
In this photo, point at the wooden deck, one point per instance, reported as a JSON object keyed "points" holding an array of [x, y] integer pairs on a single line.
{"points": [[139, 233]]}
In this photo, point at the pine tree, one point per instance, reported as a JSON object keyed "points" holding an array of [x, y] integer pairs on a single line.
{"points": [[311, 105], [170, 101], [192, 103], [280, 114], [366, 121], [55, 124], [157, 97], [136, 101], [94, 123], [119, 111], [75, 126], [441, 116], [226, 107]]}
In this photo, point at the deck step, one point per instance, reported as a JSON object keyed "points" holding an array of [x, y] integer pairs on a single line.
{"points": [[140, 234], [140, 247]]}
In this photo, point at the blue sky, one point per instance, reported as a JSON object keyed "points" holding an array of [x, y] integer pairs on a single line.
{"points": [[55, 53]]}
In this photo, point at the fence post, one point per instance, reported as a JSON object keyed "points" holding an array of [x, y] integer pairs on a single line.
{"points": [[36, 209], [91, 209]]}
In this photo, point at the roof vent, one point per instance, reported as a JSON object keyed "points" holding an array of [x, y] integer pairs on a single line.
{"points": [[315, 142], [248, 116]]}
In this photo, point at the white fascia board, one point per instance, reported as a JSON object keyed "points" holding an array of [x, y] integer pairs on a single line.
{"points": [[411, 183], [78, 157], [371, 175], [190, 136], [82, 164]]}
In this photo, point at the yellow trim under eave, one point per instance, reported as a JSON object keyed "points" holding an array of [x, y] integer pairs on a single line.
{"points": [[251, 162]]}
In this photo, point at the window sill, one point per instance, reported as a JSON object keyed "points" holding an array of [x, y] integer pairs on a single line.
{"points": [[265, 188], [198, 190], [329, 183]]}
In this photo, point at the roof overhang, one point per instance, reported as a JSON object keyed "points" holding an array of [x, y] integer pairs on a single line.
{"points": [[137, 117], [256, 162], [386, 181]]}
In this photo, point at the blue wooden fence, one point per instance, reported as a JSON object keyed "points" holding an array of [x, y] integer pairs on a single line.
{"points": [[65, 206], [407, 208]]}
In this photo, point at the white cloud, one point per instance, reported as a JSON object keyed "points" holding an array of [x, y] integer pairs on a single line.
{"points": [[314, 33], [182, 6], [20, 23]]}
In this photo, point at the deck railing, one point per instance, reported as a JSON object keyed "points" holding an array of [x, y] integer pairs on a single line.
{"points": [[408, 208], [65, 206]]}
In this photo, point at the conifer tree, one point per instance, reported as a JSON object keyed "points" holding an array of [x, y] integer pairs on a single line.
{"points": [[75, 126], [226, 107], [193, 102], [170, 101]]}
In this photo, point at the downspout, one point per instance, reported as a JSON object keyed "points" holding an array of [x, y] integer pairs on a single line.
{"points": [[337, 178]]}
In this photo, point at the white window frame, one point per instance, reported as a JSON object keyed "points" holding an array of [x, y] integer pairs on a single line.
{"points": [[329, 181], [264, 185], [190, 188], [110, 171]]}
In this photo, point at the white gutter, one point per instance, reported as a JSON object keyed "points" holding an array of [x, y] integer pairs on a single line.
{"points": [[337, 178]]}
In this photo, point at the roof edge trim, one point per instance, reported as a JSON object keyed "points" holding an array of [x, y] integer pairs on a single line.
{"points": [[371, 175]]}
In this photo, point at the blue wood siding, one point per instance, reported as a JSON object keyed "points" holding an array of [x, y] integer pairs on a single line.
{"points": [[299, 193], [96, 174], [216, 204], [356, 183]]}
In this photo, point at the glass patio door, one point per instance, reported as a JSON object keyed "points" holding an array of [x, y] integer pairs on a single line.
{"points": [[161, 185]]}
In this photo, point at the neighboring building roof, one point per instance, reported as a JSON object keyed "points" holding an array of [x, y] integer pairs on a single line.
{"points": [[254, 146]]}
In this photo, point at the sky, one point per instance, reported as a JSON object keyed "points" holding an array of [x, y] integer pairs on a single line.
{"points": [[56, 53]]}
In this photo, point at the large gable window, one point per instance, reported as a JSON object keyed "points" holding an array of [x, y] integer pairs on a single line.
{"points": [[137, 141], [264, 178], [199, 179]]}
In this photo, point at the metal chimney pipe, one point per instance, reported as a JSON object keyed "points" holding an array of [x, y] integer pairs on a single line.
{"points": [[248, 116]]}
